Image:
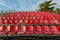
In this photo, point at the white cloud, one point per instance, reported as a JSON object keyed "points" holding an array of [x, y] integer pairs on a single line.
{"points": [[2, 3], [35, 7], [22, 4], [25, 5]]}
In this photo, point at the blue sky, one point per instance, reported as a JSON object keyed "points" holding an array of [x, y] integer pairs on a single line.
{"points": [[23, 5]]}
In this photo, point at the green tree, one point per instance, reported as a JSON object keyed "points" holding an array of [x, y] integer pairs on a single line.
{"points": [[46, 6], [57, 10]]}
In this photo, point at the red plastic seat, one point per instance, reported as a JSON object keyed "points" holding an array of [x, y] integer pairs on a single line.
{"points": [[46, 30], [35, 21], [51, 21], [30, 21], [11, 18], [15, 18], [45, 22], [29, 30], [15, 22], [21, 29], [13, 30], [5, 21], [18, 18], [3, 18], [26, 17], [58, 28], [37, 30], [4, 29], [56, 22], [20, 21], [25, 21], [9, 21], [1, 21], [8, 18], [54, 30], [40, 21], [23, 17]]}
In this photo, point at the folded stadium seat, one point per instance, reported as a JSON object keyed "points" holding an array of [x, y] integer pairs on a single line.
{"points": [[9, 22], [49, 18], [15, 18], [25, 21], [46, 30], [22, 17], [18, 15], [29, 30], [30, 21], [29, 17], [20, 21], [34, 17], [8, 18], [3, 17], [13, 30], [1, 21], [26, 17], [40, 21], [59, 21], [21, 29], [56, 21], [58, 28], [4, 29], [15, 22], [45, 17], [54, 30], [53, 18], [35, 21], [51, 21], [41, 17], [18, 18], [57, 17], [37, 17], [45, 22], [5, 21], [37, 30], [11, 18]]}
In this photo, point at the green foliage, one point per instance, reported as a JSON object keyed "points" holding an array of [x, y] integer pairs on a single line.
{"points": [[4, 12], [46, 6], [57, 10]]}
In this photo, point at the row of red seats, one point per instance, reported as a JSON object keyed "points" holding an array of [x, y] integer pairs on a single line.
{"points": [[39, 16], [30, 18], [31, 15], [30, 30], [29, 21]]}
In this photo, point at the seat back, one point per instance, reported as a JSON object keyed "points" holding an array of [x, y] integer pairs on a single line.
{"points": [[58, 28], [53, 29], [14, 28], [1, 28], [22, 28], [45, 28]]}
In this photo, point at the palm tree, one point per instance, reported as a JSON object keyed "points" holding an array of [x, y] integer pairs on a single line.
{"points": [[46, 6]]}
